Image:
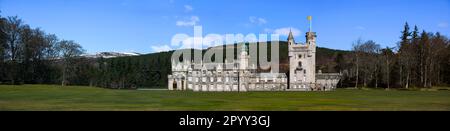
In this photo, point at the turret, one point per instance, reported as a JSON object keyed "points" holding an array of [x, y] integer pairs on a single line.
{"points": [[291, 40], [244, 57], [311, 38]]}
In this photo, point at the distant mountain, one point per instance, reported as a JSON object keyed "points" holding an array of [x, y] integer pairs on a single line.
{"points": [[111, 54]]}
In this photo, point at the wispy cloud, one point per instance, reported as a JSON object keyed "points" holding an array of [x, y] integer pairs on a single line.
{"points": [[213, 40], [360, 27], [210, 40], [161, 48], [285, 31], [188, 8], [257, 20], [267, 30], [191, 22], [443, 25]]}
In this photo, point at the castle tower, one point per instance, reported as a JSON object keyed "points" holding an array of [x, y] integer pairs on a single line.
{"points": [[244, 57], [302, 62], [243, 68]]}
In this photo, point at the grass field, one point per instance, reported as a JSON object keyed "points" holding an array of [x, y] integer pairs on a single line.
{"points": [[56, 98]]}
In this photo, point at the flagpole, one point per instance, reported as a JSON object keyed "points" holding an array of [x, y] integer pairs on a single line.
{"points": [[310, 23]]}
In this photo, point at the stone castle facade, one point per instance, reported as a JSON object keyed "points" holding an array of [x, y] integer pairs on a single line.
{"points": [[244, 77]]}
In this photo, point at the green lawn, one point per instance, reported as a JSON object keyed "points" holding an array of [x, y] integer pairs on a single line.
{"points": [[47, 97]]}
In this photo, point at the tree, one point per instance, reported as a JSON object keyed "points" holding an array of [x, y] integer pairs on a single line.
{"points": [[3, 47], [405, 35], [69, 51], [357, 53], [13, 30], [445, 62], [3, 38], [50, 49], [365, 54], [416, 53], [434, 52], [408, 54], [404, 50], [439, 58], [388, 58], [340, 62], [369, 62], [423, 57]]}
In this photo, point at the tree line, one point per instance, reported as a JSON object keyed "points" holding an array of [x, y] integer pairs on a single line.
{"points": [[420, 59], [30, 55]]}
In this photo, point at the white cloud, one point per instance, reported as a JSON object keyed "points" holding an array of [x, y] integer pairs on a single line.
{"points": [[257, 20], [192, 42], [202, 43], [188, 8], [212, 40], [267, 30], [443, 25], [191, 22], [161, 48], [285, 31], [360, 28]]}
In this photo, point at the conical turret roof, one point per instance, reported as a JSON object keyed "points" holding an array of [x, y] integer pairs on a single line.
{"points": [[290, 37]]}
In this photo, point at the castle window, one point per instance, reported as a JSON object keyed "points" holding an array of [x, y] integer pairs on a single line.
{"points": [[299, 67], [300, 56]]}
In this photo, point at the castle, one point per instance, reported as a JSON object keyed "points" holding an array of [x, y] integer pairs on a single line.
{"points": [[243, 77]]}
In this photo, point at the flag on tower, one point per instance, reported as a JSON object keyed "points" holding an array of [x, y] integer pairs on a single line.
{"points": [[310, 23]]}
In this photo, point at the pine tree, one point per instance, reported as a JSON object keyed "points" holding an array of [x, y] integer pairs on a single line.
{"points": [[424, 59], [404, 55], [405, 35]]}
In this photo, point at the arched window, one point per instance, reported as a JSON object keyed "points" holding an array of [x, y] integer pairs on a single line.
{"points": [[299, 67]]}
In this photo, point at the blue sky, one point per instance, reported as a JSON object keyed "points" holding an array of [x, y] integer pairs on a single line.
{"points": [[146, 26]]}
